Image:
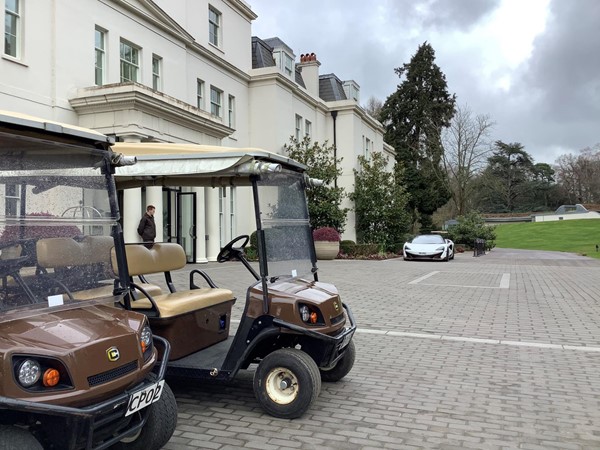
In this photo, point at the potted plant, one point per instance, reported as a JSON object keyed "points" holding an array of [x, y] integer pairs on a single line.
{"points": [[327, 242]]}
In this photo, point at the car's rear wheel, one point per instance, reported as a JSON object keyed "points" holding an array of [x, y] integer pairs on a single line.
{"points": [[286, 383], [342, 367]]}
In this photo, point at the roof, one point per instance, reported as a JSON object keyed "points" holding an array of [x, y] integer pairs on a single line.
{"points": [[262, 54], [298, 77], [276, 43], [331, 88]]}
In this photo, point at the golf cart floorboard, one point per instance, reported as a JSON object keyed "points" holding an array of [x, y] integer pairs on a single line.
{"points": [[205, 359]]}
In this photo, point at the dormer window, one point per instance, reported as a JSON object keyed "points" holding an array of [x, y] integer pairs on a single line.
{"points": [[352, 90], [285, 62], [288, 65]]}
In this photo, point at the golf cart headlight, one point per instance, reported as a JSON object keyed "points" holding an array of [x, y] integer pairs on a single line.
{"points": [[29, 372], [146, 339], [304, 313], [441, 248]]}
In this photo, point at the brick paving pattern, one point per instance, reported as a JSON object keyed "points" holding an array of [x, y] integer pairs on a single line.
{"points": [[496, 352]]}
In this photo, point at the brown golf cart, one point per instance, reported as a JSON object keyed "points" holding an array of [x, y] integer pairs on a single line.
{"points": [[75, 371], [294, 326]]}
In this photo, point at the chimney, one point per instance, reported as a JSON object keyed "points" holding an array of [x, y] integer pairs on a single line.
{"points": [[309, 66]]}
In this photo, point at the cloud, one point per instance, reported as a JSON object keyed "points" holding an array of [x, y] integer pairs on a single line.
{"points": [[442, 14], [533, 65]]}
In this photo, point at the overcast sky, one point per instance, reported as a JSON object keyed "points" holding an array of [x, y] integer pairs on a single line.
{"points": [[532, 65]]}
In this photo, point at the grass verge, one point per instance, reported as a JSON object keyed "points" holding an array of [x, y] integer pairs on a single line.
{"points": [[573, 236]]}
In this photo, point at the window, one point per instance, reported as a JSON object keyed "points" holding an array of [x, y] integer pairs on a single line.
{"points": [[298, 127], [288, 64], [130, 62], [200, 93], [214, 26], [216, 101], [156, 72], [12, 28], [13, 198], [368, 149], [231, 115], [100, 50], [308, 128]]}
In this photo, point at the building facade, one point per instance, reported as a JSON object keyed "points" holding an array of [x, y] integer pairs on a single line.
{"points": [[185, 71]]}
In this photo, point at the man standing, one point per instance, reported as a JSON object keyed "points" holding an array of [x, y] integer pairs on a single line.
{"points": [[147, 227]]}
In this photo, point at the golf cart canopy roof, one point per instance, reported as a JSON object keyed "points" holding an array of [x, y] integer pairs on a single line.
{"points": [[18, 120], [167, 164]]}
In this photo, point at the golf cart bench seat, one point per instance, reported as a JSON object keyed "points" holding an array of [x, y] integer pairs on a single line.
{"points": [[165, 257], [69, 253], [207, 311]]}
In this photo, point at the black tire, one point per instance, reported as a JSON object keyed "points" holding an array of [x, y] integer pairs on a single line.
{"points": [[301, 375], [342, 367], [13, 438], [159, 427]]}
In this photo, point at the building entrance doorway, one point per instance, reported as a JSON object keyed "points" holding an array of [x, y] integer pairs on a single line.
{"points": [[186, 223]]}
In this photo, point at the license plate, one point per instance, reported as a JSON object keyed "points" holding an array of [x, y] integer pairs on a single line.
{"points": [[141, 399]]}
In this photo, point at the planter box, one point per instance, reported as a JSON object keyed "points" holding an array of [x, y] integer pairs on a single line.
{"points": [[327, 249]]}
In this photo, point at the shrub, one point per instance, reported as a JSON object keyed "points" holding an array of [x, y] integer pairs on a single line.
{"points": [[471, 226], [253, 240], [324, 202], [366, 249], [326, 234], [15, 232], [347, 247]]}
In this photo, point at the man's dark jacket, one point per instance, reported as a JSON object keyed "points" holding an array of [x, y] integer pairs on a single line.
{"points": [[147, 228]]}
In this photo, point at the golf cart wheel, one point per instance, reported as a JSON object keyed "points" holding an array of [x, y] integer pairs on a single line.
{"points": [[286, 383], [159, 427], [342, 367], [13, 438]]}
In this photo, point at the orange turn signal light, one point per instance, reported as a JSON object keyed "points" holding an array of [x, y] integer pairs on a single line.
{"points": [[51, 377], [313, 317], [144, 346]]}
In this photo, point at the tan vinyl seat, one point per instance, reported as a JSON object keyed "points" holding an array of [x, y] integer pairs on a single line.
{"points": [[165, 257]]}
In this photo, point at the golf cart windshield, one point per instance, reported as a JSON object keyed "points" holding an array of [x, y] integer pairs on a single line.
{"points": [[283, 215], [56, 223]]}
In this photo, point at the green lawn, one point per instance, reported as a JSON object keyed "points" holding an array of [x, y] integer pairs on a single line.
{"points": [[573, 236]]}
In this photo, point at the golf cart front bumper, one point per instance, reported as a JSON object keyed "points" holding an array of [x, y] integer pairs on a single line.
{"points": [[98, 426], [325, 349]]}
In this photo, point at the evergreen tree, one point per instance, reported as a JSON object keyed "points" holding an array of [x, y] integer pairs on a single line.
{"points": [[380, 203], [508, 175], [414, 117], [324, 202]]}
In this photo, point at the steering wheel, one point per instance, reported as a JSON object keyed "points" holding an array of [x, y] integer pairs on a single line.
{"points": [[229, 252]]}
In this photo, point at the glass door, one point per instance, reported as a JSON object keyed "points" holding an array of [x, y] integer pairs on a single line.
{"points": [[186, 223]]}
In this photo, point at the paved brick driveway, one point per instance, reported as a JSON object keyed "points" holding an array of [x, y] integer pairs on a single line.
{"points": [[500, 351]]}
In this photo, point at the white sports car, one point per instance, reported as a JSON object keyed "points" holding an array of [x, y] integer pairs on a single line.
{"points": [[429, 247]]}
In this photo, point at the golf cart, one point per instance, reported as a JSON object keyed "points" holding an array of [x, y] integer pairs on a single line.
{"points": [[76, 372], [294, 327]]}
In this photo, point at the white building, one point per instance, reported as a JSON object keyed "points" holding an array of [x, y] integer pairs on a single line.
{"points": [[178, 71]]}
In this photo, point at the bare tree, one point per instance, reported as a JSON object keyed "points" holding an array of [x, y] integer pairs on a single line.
{"points": [[373, 107], [466, 148], [579, 175]]}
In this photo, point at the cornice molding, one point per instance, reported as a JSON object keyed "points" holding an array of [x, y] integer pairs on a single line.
{"points": [[243, 8], [133, 96]]}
